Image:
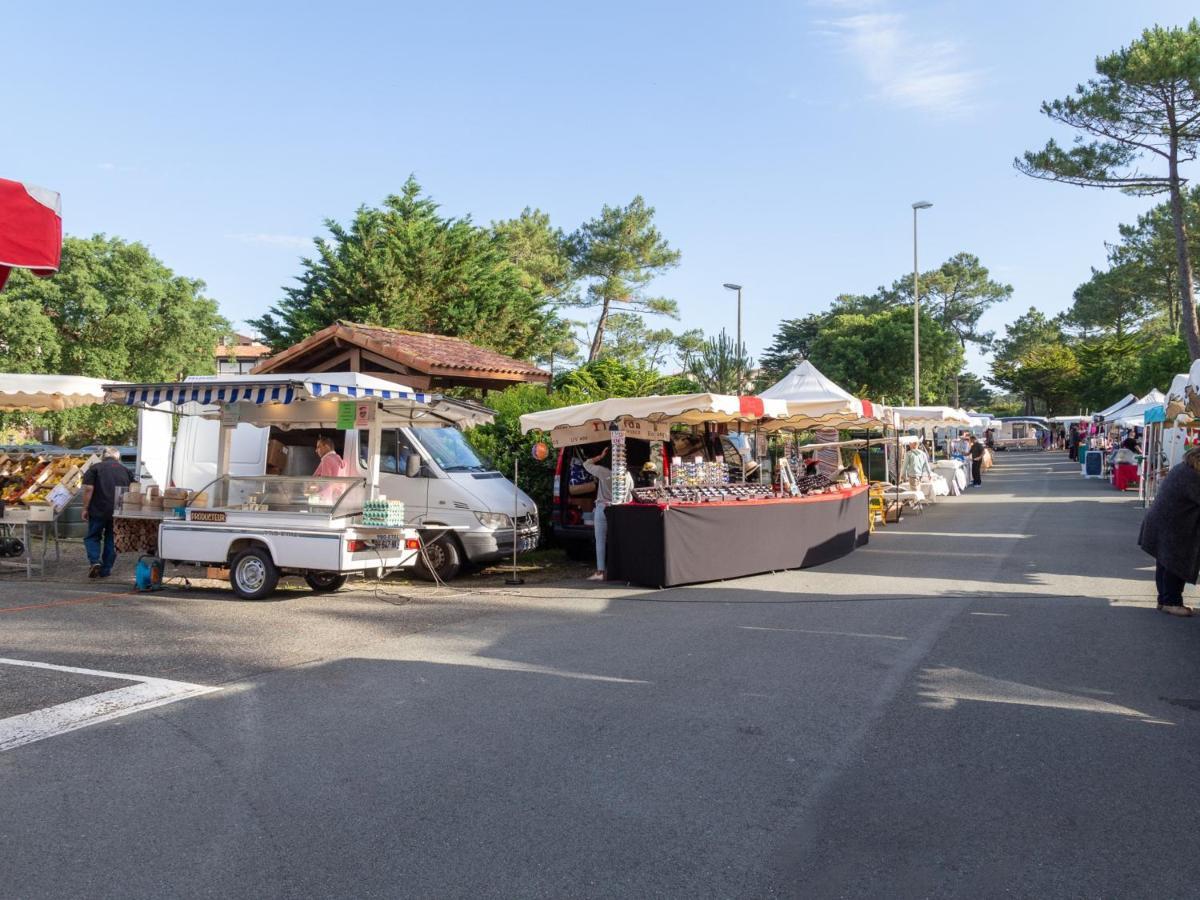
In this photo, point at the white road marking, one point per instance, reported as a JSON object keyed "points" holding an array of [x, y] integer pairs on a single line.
{"points": [[886, 637], [1004, 615], [147, 693]]}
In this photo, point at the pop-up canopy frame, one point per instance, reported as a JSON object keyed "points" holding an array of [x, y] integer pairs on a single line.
{"points": [[677, 409]]}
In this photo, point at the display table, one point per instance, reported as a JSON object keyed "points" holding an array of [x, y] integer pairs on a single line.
{"points": [[660, 546], [955, 473]]}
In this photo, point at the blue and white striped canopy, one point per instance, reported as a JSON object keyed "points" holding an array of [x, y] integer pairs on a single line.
{"points": [[276, 391]]}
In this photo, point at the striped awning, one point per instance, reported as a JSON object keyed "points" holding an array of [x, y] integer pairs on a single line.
{"points": [[257, 394]]}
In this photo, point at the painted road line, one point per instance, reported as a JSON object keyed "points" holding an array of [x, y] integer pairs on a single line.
{"points": [[858, 634], [147, 693]]}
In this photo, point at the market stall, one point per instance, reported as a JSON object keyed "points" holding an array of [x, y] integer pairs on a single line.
{"points": [[264, 526], [36, 487], [696, 524]]}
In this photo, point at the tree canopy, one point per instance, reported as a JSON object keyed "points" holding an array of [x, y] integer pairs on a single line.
{"points": [[113, 310], [1144, 104], [404, 265]]}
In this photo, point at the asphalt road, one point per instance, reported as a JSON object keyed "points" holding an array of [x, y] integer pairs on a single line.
{"points": [[982, 703]]}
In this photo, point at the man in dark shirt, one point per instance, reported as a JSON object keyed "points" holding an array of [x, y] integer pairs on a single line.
{"points": [[100, 484], [976, 462]]}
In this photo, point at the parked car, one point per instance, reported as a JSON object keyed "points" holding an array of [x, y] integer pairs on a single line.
{"points": [[128, 455], [51, 449]]}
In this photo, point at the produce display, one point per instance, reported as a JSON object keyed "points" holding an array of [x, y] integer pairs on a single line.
{"points": [[30, 479]]}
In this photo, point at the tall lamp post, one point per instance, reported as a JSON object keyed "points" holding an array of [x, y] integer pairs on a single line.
{"points": [[738, 348], [920, 204]]}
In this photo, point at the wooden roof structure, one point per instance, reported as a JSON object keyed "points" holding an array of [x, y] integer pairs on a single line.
{"points": [[422, 361]]}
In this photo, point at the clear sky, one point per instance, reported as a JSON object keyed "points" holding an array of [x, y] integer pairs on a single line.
{"points": [[781, 143]]}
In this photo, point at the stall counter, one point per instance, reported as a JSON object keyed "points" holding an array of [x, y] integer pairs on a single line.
{"points": [[663, 545]]}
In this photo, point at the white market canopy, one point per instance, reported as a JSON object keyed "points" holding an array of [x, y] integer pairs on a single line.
{"points": [[683, 409], [931, 416], [48, 393], [813, 401], [1121, 404], [306, 400], [1134, 415]]}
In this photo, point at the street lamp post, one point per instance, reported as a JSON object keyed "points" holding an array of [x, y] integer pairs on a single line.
{"points": [[920, 204], [738, 347]]}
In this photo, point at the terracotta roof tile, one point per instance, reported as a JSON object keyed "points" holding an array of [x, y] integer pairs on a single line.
{"points": [[435, 354]]}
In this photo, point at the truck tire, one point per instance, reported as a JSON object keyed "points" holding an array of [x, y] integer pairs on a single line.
{"points": [[445, 559], [252, 574], [325, 582]]}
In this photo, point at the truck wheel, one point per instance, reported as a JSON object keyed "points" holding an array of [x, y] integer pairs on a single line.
{"points": [[252, 574], [445, 559], [325, 582]]}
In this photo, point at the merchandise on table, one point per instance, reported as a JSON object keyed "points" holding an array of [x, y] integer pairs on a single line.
{"points": [[699, 472], [44, 484], [383, 513], [701, 493]]}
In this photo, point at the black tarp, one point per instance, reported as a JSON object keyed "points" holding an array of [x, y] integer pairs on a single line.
{"points": [[656, 546]]}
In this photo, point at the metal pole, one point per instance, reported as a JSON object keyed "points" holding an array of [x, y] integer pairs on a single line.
{"points": [[739, 344], [514, 578], [916, 321]]}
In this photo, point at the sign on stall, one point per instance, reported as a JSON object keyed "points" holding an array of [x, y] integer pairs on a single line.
{"points": [[352, 414], [639, 429]]}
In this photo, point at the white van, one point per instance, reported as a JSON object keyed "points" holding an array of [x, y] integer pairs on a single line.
{"points": [[460, 503]]}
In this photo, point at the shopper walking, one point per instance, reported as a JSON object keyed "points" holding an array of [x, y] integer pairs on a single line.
{"points": [[100, 484], [976, 462], [1171, 533], [603, 476]]}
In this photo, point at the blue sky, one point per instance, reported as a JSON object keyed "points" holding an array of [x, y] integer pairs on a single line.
{"points": [[781, 143]]}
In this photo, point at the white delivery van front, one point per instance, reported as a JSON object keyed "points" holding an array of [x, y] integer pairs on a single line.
{"points": [[461, 505]]}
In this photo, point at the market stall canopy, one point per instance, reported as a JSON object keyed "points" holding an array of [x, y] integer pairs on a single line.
{"points": [[930, 416], [1133, 416], [685, 409], [310, 399], [1127, 400], [1067, 420], [48, 393], [30, 229], [813, 401]]}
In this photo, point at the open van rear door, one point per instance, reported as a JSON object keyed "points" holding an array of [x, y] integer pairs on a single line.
{"points": [[154, 443]]}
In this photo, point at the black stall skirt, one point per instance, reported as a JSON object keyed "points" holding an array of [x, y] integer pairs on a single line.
{"points": [[657, 546]]}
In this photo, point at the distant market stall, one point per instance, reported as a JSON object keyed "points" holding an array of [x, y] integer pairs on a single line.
{"points": [[696, 524]]}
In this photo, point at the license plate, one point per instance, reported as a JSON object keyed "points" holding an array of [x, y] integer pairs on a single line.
{"points": [[388, 542]]}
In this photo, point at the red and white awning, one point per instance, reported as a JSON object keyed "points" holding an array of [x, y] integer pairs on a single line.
{"points": [[30, 229], [685, 409]]}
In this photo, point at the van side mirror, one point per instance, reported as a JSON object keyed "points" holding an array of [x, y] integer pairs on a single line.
{"points": [[412, 466]]}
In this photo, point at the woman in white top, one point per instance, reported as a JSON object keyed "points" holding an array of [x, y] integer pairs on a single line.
{"points": [[603, 476]]}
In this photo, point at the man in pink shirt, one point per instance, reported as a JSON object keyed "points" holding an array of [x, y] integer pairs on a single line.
{"points": [[331, 464]]}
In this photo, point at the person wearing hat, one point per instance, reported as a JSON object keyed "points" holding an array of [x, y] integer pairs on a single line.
{"points": [[648, 475], [100, 484]]}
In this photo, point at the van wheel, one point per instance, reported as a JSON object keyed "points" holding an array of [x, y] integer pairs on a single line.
{"points": [[445, 560], [325, 582], [252, 574]]}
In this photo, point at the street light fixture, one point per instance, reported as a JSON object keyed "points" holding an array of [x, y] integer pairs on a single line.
{"points": [[737, 287], [920, 204]]}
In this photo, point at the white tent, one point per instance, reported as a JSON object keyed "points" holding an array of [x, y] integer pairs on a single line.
{"points": [[48, 393], [1127, 400], [813, 401], [931, 416], [687, 409], [1134, 415]]}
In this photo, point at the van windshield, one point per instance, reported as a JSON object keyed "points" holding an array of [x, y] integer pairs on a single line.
{"points": [[451, 451]]}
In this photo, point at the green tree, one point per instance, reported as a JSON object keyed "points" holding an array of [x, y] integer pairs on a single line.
{"points": [[1145, 102], [1026, 358], [871, 355], [618, 254], [792, 345], [720, 365], [1161, 362], [406, 266], [115, 311], [973, 392], [609, 377], [1112, 301]]}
